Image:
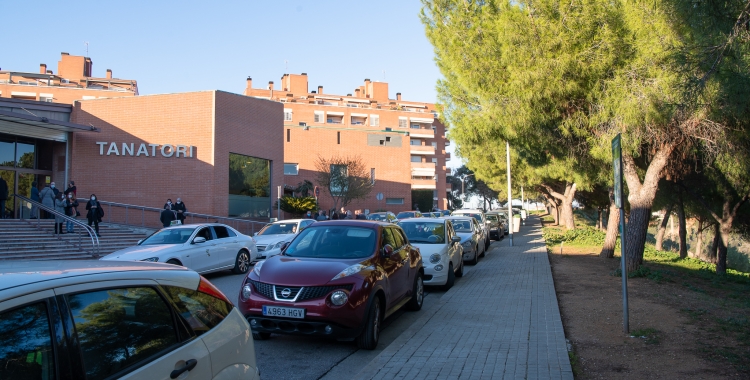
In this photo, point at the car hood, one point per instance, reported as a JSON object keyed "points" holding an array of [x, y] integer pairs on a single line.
{"points": [[465, 236], [272, 239], [140, 252], [302, 271], [428, 249]]}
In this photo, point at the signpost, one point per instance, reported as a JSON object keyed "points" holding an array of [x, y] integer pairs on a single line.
{"points": [[617, 165], [317, 194], [379, 197]]}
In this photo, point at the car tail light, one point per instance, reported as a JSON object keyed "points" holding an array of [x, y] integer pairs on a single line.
{"points": [[206, 287]]}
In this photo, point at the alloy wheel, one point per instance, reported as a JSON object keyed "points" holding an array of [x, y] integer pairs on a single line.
{"points": [[243, 261], [420, 291], [376, 322]]}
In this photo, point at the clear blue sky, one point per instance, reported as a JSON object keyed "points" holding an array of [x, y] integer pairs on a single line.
{"points": [[177, 46]]}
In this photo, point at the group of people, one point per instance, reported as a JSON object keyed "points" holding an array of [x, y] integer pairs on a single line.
{"points": [[333, 215], [65, 203], [173, 212]]}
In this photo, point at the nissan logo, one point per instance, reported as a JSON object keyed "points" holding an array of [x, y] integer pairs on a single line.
{"points": [[286, 292]]}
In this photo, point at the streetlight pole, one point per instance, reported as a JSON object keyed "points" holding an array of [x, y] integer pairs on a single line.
{"points": [[510, 198]]}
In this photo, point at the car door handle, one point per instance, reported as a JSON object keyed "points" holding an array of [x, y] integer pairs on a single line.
{"points": [[189, 365]]}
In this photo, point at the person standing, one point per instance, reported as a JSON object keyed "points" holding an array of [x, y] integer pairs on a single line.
{"points": [[54, 189], [180, 209], [70, 210], [168, 205], [167, 216], [3, 197], [322, 215], [47, 197], [72, 189], [35, 198], [60, 208], [349, 215], [334, 215], [360, 215], [309, 215], [94, 213]]}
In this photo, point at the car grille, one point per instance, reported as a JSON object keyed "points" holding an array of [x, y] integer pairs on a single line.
{"points": [[305, 293]]}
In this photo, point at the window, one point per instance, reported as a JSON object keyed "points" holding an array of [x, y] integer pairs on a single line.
{"points": [[291, 169], [374, 120], [388, 238], [416, 158], [338, 179], [415, 142], [434, 145], [399, 239], [287, 115], [231, 233], [201, 311], [402, 122], [102, 319], [434, 160], [372, 176], [320, 117], [26, 344], [205, 232], [415, 126], [394, 201], [288, 135], [221, 232], [249, 186], [338, 137]]}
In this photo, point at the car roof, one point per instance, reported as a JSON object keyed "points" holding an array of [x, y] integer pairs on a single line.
{"points": [[352, 223], [458, 217], [290, 221], [469, 210], [422, 220], [40, 275], [195, 225]]}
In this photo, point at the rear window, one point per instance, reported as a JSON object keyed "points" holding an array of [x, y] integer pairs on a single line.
{"points": [[201, 311], [26, 344]]}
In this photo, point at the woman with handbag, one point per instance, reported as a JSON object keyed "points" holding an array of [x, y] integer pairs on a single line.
{"points": [[70, 210], [94, 213]]}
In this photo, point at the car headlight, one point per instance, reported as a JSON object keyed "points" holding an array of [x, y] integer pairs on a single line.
{"points": [[151, 259], [256, 268], [246, 291], [467, 244], [435, 258], [277, 245], [354, 269], [339, 298]]}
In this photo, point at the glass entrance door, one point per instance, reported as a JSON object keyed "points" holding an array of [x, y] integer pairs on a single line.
{"points": [[10, 178]]}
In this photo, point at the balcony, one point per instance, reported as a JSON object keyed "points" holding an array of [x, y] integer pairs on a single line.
{"points": [[423, 169], [423, 184], [422, 149], [427, 133]]}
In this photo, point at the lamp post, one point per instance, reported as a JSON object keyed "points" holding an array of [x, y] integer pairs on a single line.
{"points": [[510, 198]]}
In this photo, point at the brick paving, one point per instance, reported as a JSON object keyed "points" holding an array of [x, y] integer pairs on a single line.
{"points": [[500, 321]]}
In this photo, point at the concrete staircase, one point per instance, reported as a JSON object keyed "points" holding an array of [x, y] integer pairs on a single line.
{"points": [[27, 240]]}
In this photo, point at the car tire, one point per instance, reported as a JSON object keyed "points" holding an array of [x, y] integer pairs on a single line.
{"points": [[241, 262], [369, 337], [451, 278], [475, 260], [460, 272], [261, 335], [483, 251], [417, 299], [486, 245], [174, 262]]}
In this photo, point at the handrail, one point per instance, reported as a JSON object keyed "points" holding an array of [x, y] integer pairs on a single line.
{"points": [[92, 234], [234, 222]]}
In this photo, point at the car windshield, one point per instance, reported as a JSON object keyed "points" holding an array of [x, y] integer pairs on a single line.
{"points": [[462, 225], [474, 215], [376, 217], [492, 218], [278, 229], [333, 242], [169, 236], [404, 215], [424, 232]]}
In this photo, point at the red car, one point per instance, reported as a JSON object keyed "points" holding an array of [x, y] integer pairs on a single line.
{"points": [[337, 279]]}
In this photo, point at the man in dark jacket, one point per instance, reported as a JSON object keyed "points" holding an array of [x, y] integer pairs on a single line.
{"points": [[167, 216], [180, 209], [3, 197]]}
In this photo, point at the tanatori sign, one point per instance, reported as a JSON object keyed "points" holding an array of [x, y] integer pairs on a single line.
{"points": [[146, 150]]}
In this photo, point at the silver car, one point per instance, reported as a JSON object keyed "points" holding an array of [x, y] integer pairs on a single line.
{"points": [[272, 237], [472, 237]]}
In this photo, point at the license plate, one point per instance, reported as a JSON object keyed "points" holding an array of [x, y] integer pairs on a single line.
{"points": [[287, 312]]}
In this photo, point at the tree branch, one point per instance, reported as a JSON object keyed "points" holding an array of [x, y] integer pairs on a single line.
{"points": [[552, 192]]}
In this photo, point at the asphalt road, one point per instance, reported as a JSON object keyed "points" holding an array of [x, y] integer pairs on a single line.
{"points": [[294, 357]]}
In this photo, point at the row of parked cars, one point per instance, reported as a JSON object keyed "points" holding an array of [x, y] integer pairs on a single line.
{"points": [[129, 315]]}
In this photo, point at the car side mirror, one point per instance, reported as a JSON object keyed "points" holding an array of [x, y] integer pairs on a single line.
{"points": [[283, 246], [139, 242], [456, 239], [387, 250], [255, 234], [199, 239]]}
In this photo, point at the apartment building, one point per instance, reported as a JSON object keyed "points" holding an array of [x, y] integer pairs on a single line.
{"points": [[403, 142]]}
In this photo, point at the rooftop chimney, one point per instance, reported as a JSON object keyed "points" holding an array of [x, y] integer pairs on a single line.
{"points": [[249, 82], [398, 96], [49, 71], [109, 73], [356, 93], [320, 89], [42, 68], [270, 85], [64, 53]]}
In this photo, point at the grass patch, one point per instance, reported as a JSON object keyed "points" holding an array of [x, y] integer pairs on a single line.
{"points": [[649, 335]]}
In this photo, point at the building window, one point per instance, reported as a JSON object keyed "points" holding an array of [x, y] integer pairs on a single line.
{"points": [[374, 120], [287, 115], [291, 169], [434, 145], [338, 137], [372, 176], [249, 186], [288, 135], [434, 160], [416, 158], [415, 126], [402, 122], [394, 201], [415, 142], [319, 117]]}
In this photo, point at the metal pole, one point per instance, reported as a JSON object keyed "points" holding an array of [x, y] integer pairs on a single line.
{"points": [[625, 318], [510, 198], [278, 204]]}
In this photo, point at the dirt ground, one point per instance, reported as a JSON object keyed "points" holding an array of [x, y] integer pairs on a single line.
{"points": [[674, 342]]}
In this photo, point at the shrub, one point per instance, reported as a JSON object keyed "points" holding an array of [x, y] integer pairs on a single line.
{"points": [[296, 206]]}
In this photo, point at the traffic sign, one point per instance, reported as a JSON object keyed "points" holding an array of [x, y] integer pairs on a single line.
{"points": [[379, 196], [317, 191]]}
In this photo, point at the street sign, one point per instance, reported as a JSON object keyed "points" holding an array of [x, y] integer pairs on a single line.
{"points": [[379, 196], [617, 162], [317, 191]]}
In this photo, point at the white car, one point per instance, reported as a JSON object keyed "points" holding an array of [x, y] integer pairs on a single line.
{"points": [[442, 254], [206, 247], [127, 321], [270, 239], [479, 216]]}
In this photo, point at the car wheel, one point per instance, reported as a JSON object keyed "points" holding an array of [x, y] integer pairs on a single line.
{"points": [[451, 278], [174, 262], [486, 245], [368, 339], [261, 335], [476, 256], [417, 299], [460, 272], [483, 251], [241, 262]]}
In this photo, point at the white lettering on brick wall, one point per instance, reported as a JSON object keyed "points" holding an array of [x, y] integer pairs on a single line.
{"points": [[128, 149]]}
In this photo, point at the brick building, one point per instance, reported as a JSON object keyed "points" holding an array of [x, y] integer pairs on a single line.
{"points": [[402, 142]]}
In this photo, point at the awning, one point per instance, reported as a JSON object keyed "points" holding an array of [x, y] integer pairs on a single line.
{"points": [[358, 100], [412, 105], [421, 120], [335, 113], [358, 114], [327, 97], [28, 125]]}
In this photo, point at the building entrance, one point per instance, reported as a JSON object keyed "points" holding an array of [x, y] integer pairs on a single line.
{"points": [[24, 161]]}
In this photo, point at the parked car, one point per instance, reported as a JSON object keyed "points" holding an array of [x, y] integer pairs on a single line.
{"points": [[479, 216], [445, 213], [273, 235], [383, 217], [337, 279], [497, 225], [503, 215], [433, 214], [440, 248], [207, 247], [409, 214], [90, 319], [472, 237]]}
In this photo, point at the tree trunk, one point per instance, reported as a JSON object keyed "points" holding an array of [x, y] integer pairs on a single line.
{"points": [[613, 222], [641, 197], [566, 204], [721, 262], [699, 240], [663, 227], [682, 231], [712, 256]]}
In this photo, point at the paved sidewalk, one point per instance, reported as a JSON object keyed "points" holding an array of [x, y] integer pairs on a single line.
{"points": [[500, 321]]}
